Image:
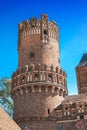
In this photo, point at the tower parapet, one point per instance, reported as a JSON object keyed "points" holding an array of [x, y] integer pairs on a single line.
{"points": [[42, 27], [50, 76]]}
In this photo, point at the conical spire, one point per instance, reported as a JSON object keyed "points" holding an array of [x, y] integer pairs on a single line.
{"points": [[83, 60]]}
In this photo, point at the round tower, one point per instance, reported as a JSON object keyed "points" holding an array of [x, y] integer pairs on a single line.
{"points": [[39, 84], [38, 42]]}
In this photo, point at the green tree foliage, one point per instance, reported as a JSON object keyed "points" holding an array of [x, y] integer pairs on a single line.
{"points": [[5, 95]]}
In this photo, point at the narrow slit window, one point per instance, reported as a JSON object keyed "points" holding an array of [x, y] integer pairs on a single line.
{"points": [[32, 55], [48, 111]]}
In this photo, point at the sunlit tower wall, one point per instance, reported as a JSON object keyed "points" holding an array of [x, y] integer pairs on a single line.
{"points": [[81, 75], [38, 42], [39, 84]]}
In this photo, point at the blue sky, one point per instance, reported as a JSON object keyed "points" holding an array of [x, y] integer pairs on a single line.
{"points": [[70, 16]]}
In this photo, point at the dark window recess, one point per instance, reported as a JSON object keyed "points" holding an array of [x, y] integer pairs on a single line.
{"points": [[36, 75], [49, 76], [66, 108], [46, 32], [81, 117], [32, 55], [33, 25], [80, 106], [23, 78], [48, 111]]}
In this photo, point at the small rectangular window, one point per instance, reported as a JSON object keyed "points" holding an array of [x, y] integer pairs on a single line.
{"points": [[32, 54], [46, 32], [81, 117]]}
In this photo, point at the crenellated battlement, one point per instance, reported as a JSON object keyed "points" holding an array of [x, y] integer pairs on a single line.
{"points": [[38, 67], [42, 27], [34, 23], [28, 24], [48, 76]]}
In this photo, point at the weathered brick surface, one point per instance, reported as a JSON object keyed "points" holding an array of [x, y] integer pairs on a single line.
{"points": [[35, 104], [44, 53], [81, 72], [72, 125], [40, 125], [6, 123]]}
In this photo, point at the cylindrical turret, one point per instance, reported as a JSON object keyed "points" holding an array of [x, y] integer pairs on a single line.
{"points": [[38, 42], [39, 84]]}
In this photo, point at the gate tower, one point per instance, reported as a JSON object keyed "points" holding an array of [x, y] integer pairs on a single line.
{"points": [[39, 84]]}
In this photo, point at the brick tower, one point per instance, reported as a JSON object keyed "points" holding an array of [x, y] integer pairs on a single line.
{"points": [[39, 84], [81, 71]]}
